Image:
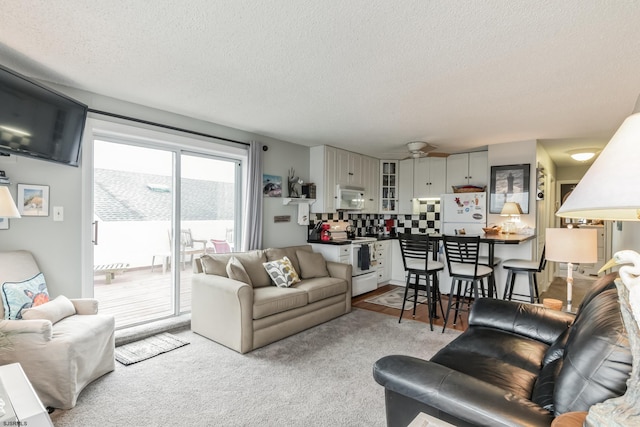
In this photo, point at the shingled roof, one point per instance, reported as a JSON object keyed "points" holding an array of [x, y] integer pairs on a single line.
{"points": [[130, 196]]}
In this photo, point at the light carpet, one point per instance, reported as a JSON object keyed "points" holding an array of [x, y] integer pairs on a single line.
{"points": [[147, 348], [394, 298], [319, 377]]}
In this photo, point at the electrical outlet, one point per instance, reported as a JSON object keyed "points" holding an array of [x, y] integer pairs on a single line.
{"points": [[58, 213]]}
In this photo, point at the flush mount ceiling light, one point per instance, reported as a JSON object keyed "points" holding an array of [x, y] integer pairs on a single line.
{"points": [[583, 154]]}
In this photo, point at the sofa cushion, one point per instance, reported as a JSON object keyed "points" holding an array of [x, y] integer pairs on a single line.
{"points": [[597, 356], [312, 264], [271, 300], [216, 266], [53, 311], [320, 288], [18, 296], [282, 272], [252, 262], [236, 271], [289, 252]]}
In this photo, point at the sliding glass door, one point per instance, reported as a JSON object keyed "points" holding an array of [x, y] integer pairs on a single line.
{"points": [[156, 209]]}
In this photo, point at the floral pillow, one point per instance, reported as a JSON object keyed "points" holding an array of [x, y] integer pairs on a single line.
{"points": [[282, 272], [18, 296]]}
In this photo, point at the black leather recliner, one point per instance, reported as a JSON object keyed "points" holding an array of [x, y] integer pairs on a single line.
{"points": [[516, 364]]}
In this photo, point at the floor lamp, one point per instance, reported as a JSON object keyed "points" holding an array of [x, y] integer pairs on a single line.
{"points": [[610, 191], [573, 246]]}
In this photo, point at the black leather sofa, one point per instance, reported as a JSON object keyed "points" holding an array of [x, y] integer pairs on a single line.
{"points": [[516, 365]]}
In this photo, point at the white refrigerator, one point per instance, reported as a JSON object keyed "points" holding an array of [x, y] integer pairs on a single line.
{"points": [[461, 211]]}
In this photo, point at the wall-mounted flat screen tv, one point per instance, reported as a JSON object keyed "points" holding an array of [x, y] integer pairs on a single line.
{"points": [[39, 122]]}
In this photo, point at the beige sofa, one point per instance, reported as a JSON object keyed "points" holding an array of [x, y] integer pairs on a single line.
{"points": [[252, 312], [62, 345]]}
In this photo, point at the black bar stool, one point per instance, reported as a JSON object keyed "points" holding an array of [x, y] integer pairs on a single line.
{"points": [[417, 255], [530, 267], [462, 262]]}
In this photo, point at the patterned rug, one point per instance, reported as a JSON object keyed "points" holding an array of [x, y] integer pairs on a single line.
{"points": [[394, 297], [147, 348]]}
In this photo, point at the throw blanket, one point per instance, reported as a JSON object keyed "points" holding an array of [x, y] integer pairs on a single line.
{"points": [[364, 257]]}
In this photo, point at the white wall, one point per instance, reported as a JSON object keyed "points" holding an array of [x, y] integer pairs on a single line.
{"points": [[57, 245]]}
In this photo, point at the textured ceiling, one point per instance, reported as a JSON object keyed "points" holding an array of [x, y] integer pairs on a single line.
{"points": [[366, 75]]}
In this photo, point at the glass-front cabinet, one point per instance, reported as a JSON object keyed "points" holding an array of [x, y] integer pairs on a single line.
{"points": [[388, 186]]}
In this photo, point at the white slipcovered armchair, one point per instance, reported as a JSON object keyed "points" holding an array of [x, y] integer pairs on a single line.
{"points": [[61, 345]]}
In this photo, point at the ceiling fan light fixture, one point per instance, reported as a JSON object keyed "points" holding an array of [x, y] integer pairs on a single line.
{"points": [[416, 145]]}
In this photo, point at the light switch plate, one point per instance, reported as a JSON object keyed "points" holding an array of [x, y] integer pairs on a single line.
{"points": [[58, 213]]}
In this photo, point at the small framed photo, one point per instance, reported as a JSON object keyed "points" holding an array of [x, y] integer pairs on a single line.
{"points": [[33, 200], [4, 223], [509, 183], [271, 185]]}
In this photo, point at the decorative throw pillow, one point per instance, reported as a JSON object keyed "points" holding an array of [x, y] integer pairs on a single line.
{"points": [[236, 271], [312, 264], [18, 296], [54, 310], [282, 272]]}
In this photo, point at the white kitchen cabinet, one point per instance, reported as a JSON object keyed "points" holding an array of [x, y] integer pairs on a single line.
{"points": [[429, 177], [388, 186], [349, 168], [398, 275], [383, 257], [405, 187], [371, 184], [322, 172], [467, 169], [335, 253]]}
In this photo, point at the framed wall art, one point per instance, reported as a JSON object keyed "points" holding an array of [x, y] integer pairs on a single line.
{"points": [[271, 185], [509, 183], [33, 200]]}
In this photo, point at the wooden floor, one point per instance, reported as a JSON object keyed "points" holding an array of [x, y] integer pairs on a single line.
{"points": [[422, 311]]}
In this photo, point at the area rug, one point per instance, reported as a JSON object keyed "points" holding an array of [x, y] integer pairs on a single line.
{"points": [[147, 348], [394, 298]]}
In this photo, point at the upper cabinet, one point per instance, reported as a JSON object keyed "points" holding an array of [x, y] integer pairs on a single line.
{"points": [[467, 169], [371, 184], [330, 166], [322, 172], [405, 187], [429, 177], [349, 168], [389, 186]]}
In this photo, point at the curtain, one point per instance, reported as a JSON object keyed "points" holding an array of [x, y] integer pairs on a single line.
{"points": [[252, 233]]}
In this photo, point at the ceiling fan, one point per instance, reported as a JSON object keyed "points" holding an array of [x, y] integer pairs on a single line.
{"points": [[418, 149]]}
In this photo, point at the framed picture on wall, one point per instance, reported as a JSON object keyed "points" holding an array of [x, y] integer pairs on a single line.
{"points": [[33, 200], [271, 185], [509, 183]]}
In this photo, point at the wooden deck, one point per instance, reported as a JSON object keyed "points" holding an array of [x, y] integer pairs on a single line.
{"points": [[140, 295]]}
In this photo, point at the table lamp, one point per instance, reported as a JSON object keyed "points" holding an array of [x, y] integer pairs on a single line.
{"points": [[573, 246], [513, 211], [8, 207], [610, 191]]}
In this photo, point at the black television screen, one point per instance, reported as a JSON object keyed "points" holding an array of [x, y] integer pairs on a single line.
{"points": [[39, 122]]}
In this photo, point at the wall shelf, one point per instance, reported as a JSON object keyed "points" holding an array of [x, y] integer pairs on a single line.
{"points": [[297, 201]]}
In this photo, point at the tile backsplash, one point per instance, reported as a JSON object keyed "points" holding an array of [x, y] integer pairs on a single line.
{"points": [[426, 221]]}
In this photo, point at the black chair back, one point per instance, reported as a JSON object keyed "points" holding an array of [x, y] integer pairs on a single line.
{"points": [[462, 250], [415, 247]]}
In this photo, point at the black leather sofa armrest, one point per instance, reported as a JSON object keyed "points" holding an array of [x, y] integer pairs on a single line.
{"points": [[532, 321], [456, 394]]}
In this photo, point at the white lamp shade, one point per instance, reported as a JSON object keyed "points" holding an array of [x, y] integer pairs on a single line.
{"points": [[611, 187], [511, 208], [8, 207], [573, 245]]}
